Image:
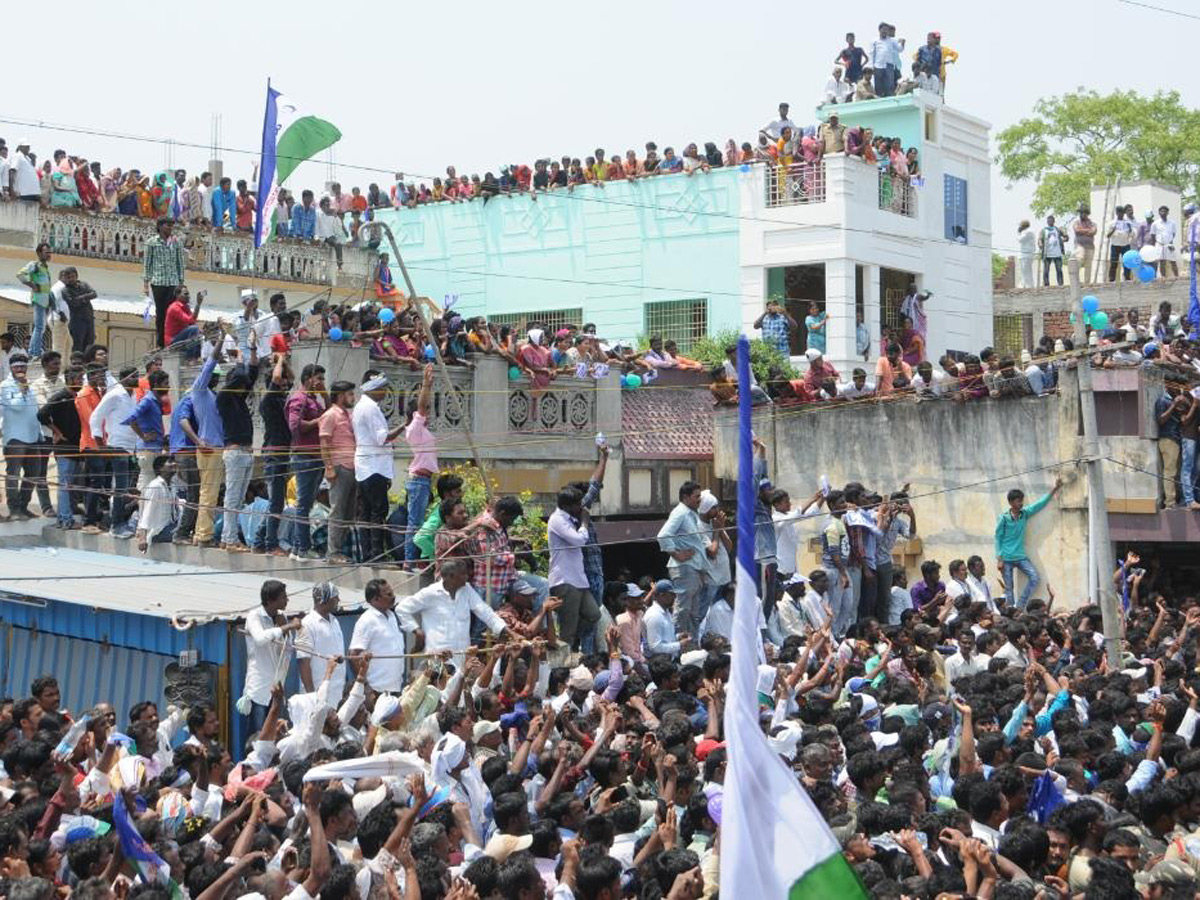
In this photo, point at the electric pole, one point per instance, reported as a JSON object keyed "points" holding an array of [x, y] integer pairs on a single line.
{"points": [[1097, 499]]}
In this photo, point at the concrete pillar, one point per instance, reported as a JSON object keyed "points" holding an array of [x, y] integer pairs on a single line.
{"points": [[839, 302], [489, 409], [340, 360], [872, 308]]}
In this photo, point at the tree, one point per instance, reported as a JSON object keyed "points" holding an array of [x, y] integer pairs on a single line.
{"points": [[1080, 139], [764, 357]]}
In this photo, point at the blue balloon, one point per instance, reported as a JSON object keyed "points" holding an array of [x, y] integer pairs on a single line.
{"points": [[429, 354], [633, 381], [745, 167], [386, 316], [1131, 259], [1090, 304], [335, 333], [1146, 273]]}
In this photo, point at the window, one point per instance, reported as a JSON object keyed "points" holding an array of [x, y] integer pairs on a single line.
{"points": [[552, 319], [956, 208], [1012, 333], [930, 125], [682, 321]]}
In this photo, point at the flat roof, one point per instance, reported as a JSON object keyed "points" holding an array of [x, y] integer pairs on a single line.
{"points": [[120, 305], [144, 586]]}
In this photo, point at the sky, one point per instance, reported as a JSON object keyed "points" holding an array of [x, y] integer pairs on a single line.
{"points": [[416, 86]]}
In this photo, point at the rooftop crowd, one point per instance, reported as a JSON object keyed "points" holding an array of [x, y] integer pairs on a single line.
{"points": [[961, 736]]}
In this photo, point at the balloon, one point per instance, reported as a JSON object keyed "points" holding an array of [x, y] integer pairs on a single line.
{"points": [[1072, 318], [429, 354], [513, 373], [1145, 273], [1151, 253], [1090, 304], [1087, 318], [1131, 259], [335, 333], [386, 316], [1100, 320], [633, 381], [745, 167]]}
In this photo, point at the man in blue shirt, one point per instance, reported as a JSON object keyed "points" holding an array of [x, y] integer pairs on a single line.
{"points": [[1010, 541], [147, 423], [183, 448], [681, 538], [304, 218], [224, 206], [18, 405], [209, 437]]}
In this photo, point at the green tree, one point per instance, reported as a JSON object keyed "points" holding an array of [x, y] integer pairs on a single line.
{"points": [[1080, 139], [530, 528], [710, 350]]}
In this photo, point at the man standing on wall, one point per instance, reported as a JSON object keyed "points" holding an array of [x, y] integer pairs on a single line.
{"points": [[1010, 542], [162, 272]]}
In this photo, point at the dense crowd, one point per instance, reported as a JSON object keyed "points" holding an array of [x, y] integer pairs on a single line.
{"points": [[959, 739]]}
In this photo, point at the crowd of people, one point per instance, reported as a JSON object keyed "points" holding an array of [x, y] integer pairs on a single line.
{"points": [[1157, 237], [959, 738]]}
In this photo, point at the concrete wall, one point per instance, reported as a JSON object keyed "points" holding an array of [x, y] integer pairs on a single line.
{"points": [[607, 251], [959, 460]]}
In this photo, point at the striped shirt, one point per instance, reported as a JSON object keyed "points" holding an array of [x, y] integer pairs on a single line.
{"points": [[162, 261]]}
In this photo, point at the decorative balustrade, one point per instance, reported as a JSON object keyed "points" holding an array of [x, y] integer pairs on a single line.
{"points": [[897, 194], [799, 184], [122, 238], [568, 406], [450, 410]]}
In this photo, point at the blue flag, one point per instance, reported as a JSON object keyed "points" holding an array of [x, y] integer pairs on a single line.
{"points": [[149, 865], [1044, 797]]}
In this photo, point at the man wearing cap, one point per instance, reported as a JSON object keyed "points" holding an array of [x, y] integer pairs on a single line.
{"points": [[518, 615], [682, 539], [661, 636], [321, 638], [443, 611], [374, 467], [251, 324], [819, 371], [832, 135], [718, 546]]}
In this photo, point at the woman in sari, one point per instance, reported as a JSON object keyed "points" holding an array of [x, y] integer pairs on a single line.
{"points": [[911, 343], [162, 194], [535, 361], [127, 197], [733, 156], [145, 202], [193, 202], [110, 184], [89, 191], [810, 150], [385, 286], [64, 192]]}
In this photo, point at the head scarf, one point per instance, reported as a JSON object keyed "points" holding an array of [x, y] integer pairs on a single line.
{"points": [[707, 501], [447, 755], [386, 706], [535, 336]]}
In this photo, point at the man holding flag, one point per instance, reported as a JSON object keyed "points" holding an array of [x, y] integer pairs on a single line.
{"points": [[774, 842]]}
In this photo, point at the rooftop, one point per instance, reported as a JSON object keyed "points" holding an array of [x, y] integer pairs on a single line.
{"points": [[683, 422], [43, 575]]}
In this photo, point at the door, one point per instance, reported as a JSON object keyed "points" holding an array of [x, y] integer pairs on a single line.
{"points": [[128, 346]]}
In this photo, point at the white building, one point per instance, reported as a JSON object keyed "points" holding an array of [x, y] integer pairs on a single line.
{"points": [[854, 241]]}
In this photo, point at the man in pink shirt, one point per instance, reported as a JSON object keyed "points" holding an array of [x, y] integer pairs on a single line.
{"points": [[336, 433], [632, 629], [890, 369], [423, 467]]}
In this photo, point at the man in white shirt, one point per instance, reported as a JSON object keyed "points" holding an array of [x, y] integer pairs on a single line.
{"points": [[660, 624], [980, 591], [158, 511], [966, 661], [330, 230], [837, 88], [374, 467], [774, 130], [858, 387], [22, 175], [1165, 235], [957, 585], [119, 443], [268, 649], [885, 60], [1016, 648], [378, 632], [443, 611], [321, 638], [567, 532], [787, 537]]}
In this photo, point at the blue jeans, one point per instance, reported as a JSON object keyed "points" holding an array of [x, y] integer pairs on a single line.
{"points": [[1187, 471], [1031, 576], [277, 467], [187, 342], [39, 331], [841, 602], [308, 470], [417, 487], [885, 81], [122, 475], [67, 467]]}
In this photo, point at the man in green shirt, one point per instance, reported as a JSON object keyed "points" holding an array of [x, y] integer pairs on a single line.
{"points": [[162, 271], [1010, 542], [449, 487], [36, 277]]}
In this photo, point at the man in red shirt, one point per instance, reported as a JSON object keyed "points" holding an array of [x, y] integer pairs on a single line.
{"points": [[246, 205], [180, 326]]}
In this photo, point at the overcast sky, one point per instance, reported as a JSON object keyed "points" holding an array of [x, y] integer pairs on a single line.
{"points": [[420, 85]]}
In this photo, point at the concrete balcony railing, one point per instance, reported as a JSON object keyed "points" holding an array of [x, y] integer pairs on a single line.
{"points": [[72, 232], [503, 419]]}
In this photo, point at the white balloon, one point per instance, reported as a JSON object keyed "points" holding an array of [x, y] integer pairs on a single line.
{"points": [[1151, 253]]}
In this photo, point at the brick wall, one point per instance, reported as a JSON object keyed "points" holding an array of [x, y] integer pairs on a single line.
{"points": [[1058, 324]]}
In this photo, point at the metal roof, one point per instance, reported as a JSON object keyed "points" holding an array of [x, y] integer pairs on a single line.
{"points": [[142, 586], [124, 306]]}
